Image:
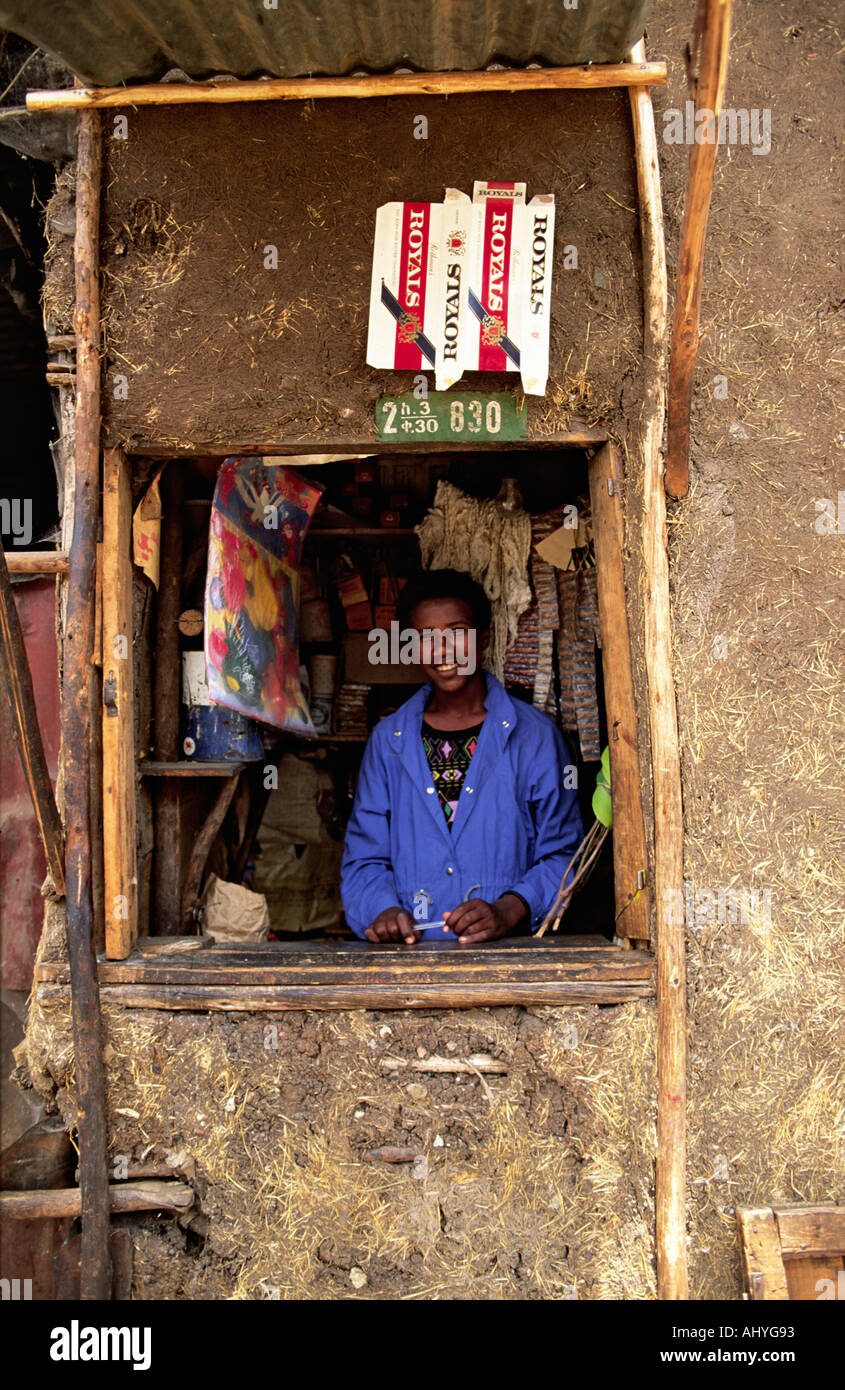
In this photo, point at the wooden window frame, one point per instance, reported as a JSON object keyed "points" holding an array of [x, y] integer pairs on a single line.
{"points": [[338, 975]]}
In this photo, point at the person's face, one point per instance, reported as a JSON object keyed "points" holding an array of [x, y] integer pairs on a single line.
{"points": [[451, 653]]}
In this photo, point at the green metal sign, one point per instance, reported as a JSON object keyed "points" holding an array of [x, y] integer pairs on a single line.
{"points": [[454, 417]]}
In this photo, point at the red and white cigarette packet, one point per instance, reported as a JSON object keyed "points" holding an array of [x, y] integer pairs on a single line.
{"points": [[403, 291], [538, 232], [464, 285]]}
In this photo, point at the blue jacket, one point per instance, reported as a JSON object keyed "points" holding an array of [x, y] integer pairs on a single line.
{"points": [[515, 829]]}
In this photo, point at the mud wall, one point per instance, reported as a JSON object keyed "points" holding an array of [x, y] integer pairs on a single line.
{"points": [[207, 346]]}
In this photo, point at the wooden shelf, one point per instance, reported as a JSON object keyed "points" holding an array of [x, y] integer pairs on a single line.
{"points": [[327, 738], [192, 768], [362, 532]]}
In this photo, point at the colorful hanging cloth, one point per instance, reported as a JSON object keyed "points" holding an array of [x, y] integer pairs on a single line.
{"points": [[259, 518]]}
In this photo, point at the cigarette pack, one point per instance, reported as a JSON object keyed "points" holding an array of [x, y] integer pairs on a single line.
{"points": [[464, 285]]}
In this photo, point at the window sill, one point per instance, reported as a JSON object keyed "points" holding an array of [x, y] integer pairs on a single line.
{"points": [[356, 975]]}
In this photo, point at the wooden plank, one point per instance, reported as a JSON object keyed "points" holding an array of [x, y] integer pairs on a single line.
{"points": [[810, 1230], [98, 872], [762, 1266], [813, 1277], [670, 1190], [275, 960], [354, 944], [710, 41], [153, 1195], [431, 995], [578, 435], [408, 972], [14, 667], [77, 717], [190, 769], [37, 562], [630, 857], [121, 876], [591, 76], [42, 1156]]}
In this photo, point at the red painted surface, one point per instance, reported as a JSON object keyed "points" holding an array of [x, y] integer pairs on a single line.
{"points": [[22, 864]]}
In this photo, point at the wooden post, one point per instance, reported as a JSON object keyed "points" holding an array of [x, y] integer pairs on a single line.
{"points": [[76, 724], [27, 733], [591, 76], [167, 889], [670, 1196], [629, 842], [37, 562], [119, 770], [710, 44]]}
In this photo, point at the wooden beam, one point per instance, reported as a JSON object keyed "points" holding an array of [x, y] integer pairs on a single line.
{"points": [[411, 968], [77, 683], [670, 1195], [810, 1230], [630, 857], [433, 994], [762, 1266], [26, 732], [153, 1195], [121, 880], [380, 85], [37, 562], [578, 435], [710, 44]]}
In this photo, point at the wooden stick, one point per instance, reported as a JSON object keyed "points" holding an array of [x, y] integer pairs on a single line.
{"points": [[121, 881], [202, 848], [383, 85], [666, 772], [37, 562], [76, 724], [478, 1062], [27, 733], [629, 843], [152, 1195], [713, 27]]}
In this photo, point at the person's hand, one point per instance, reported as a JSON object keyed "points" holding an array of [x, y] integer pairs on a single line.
{"points": [[393, 924], [475, 920]]}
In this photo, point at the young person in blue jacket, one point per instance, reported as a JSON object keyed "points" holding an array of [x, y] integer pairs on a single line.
{"points": [[464, 812]]}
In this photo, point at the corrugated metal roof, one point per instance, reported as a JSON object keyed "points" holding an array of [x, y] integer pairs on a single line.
{"points": [[107, 42]]}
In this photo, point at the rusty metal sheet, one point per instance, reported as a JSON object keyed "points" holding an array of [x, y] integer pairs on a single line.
{"points": [[141, 40]]}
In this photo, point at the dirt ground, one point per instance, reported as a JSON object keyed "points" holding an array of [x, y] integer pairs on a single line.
{"points": [[547, 1189]]}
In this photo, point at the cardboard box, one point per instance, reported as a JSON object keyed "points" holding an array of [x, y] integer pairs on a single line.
{"points": [[358, 668]]}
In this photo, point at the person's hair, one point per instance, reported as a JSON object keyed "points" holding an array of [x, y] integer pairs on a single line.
{"points": [[436, 584]]}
